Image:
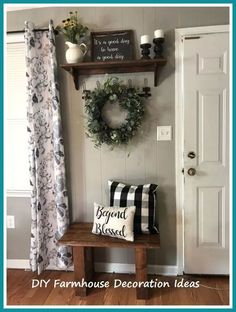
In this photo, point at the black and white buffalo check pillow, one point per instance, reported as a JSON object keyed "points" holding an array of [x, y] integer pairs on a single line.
{"points": [[143, 197]]}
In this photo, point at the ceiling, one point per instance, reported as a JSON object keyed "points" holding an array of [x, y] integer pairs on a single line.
{"points": [[11, 7]]}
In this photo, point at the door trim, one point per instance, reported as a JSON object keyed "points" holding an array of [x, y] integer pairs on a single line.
{"points": [[179, 130]]}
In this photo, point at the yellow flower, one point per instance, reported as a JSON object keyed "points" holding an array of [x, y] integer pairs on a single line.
{"points": [[71, 27], [72, 23]]}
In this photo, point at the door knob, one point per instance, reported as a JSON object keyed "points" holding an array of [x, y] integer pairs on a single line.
{"points": [[191, 155], [191, 171]]}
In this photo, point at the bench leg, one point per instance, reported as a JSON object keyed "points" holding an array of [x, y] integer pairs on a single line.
{"points": [[83, 267], [141, 271]]}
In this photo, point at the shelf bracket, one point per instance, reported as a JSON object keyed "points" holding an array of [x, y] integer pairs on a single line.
{"points": [[156, 75], [75, 74], [157, 70]]}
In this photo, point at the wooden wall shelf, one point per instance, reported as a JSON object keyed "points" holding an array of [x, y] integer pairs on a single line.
{"points": [[96, 68]]}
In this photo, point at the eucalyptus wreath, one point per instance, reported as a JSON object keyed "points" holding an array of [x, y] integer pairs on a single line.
{"points": [[113, 91]]}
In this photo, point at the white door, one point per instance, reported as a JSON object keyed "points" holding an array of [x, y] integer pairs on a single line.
{"points": [[206, 153]]}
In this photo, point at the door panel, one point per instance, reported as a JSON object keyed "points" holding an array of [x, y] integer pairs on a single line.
{"points": [[212, 64], [206, 133], [210, 207], [211, 138]]}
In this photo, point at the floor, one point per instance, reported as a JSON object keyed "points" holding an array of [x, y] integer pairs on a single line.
{"points": [[212, 290]]}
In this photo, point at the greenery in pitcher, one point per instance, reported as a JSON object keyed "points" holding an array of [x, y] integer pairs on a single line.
{"points": [[72, 29]]}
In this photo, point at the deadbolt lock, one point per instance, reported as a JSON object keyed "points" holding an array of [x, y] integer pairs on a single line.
{"points": [[191, 155]]}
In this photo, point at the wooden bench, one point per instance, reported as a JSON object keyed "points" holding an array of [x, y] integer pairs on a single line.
{"points": [[80, 238]]}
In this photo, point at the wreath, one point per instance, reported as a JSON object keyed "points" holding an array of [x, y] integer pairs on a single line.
{"points": [[113, 91]]}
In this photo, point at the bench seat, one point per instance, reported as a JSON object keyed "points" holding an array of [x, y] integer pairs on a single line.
{"points": [[79, 236]]}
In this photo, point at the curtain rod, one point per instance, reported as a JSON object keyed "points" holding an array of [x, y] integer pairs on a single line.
{"points": [[22, 31]]}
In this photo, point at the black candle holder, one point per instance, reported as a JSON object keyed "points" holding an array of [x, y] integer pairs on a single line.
{"points": [[158, 47], [145, 51], [146, 90]]}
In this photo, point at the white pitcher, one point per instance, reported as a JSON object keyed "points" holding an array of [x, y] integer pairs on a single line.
{"points": [[75, 54]]}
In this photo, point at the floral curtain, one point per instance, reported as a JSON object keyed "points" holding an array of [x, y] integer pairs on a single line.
{"points": [[49, 202]]}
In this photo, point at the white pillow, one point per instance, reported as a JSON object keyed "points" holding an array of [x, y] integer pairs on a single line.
{"points": [[114, 221]]}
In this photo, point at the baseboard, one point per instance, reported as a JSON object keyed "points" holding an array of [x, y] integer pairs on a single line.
{"points": [[130, 268], [103, 267], [171, 270], [24, 264], [114, 267], [18, 264]]}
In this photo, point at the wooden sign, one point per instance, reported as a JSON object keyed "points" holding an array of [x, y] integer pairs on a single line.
{"points": [[112, 46]]}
